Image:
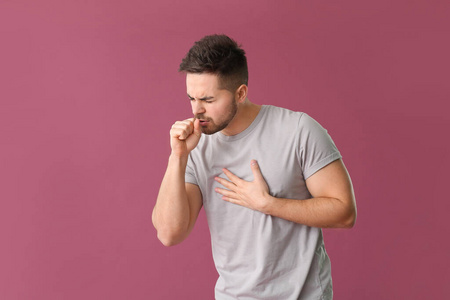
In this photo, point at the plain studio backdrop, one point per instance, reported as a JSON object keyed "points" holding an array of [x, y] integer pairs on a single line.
{"points": [[89, 90]]}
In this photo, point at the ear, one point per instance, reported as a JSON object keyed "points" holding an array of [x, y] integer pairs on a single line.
{"points": [[241, 93]]}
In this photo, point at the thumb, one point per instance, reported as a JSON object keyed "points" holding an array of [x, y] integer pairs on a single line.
{"points": [[257, 175], [197, 128]]}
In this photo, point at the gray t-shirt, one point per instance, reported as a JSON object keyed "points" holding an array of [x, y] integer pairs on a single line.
{"points": [[256, 255]]}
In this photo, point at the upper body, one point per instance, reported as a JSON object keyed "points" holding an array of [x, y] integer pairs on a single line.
{"points": [[221, 110], [256, 254]]}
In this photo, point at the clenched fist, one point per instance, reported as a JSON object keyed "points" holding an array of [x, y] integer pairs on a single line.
{"points": [[184, 136]]}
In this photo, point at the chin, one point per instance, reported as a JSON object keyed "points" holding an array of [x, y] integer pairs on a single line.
{"points": [[209, 132], [215, 129]]}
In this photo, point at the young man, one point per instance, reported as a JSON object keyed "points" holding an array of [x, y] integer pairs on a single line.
{"points": [[268, 178]]}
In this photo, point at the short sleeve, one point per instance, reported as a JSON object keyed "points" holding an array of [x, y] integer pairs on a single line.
{"points": [[317, 149], [189, 176]]}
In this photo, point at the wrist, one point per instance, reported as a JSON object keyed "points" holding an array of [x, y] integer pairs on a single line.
{"points": [[268, 204], [177, 158]]}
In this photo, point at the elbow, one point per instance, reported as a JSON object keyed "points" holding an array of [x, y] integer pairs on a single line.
{"points": [[166, 241], [165, 235], [169, 240], [349, 224], [169, 236], [350, 220]]}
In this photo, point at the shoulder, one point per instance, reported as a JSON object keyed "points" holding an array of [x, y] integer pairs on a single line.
{"points": [[283, 115], [298, 121], [308, 124]]}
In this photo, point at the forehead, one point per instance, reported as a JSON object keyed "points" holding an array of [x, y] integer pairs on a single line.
{"points": [[201, 84]]}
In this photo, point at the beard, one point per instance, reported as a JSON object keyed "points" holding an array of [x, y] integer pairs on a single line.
{"points": [[213, 127]]}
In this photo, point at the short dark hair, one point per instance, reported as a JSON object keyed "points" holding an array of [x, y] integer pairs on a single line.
{"points": [[219, 55]]}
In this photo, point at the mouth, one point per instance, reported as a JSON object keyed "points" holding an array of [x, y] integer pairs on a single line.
{"points": [[202, 121]]}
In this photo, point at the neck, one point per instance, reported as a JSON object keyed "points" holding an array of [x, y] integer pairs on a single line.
{"points": [[245, 115]]}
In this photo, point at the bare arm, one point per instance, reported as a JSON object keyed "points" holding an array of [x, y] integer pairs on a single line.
{"points": [[178, 203], [333, 203]]}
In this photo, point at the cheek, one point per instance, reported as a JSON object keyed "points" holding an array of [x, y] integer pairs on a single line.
{"points": [[221, 109], [216, 113]]}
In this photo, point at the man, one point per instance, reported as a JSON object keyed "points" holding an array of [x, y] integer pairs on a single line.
{"points": [[268, 178]]}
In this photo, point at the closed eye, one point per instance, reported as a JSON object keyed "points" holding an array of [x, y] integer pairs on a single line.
{"points": [[207, 99]]}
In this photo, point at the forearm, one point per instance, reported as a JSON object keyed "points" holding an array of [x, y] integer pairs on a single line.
{"points": [[319, 212], [333, 203], [171, 214]]}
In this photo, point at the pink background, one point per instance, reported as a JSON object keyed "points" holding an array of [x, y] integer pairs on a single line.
{"points": [[89, 90]]}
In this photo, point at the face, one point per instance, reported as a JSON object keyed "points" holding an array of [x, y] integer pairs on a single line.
{"points": [[214, 107]]}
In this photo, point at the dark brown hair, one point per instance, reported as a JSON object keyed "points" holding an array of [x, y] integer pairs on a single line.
{"points": [[219, 55]]}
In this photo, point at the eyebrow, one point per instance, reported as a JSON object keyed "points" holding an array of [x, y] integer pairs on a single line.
{"points": [[202, 99]]}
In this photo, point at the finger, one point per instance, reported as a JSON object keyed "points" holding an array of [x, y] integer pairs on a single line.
{"points": [[176, 132], [236, 180], [257, 175], [182, 129], [231, 198], [190, 126], [224, 192], [187, 123], [229, 185], [235, 201], [179, 133], [197, 128]]}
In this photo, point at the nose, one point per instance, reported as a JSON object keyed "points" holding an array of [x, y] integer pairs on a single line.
{"points": [[197, 107]]}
